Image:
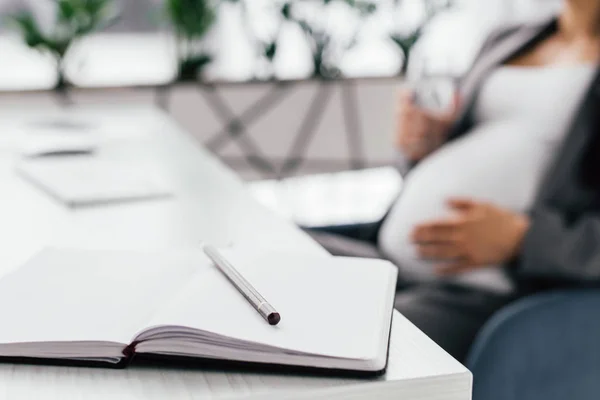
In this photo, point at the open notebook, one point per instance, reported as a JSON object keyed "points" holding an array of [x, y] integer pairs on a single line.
{"points": [[107, 307]]}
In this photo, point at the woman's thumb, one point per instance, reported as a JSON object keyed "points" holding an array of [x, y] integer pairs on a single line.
{"points": [[406, 95], [456, 103]]}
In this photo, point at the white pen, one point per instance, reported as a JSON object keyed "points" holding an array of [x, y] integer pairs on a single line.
{"points": [[243, 286]]}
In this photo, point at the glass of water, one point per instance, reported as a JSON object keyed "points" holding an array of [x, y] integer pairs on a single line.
{"points": [[434, 92]]}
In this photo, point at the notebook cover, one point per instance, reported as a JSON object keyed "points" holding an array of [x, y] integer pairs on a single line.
{"points": [[209, 364], [64, 362]]}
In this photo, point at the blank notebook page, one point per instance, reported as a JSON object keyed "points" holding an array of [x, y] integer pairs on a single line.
{"points": [[329, 306], [78, 295]]}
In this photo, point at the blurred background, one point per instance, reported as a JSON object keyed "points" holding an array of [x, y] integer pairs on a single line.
{"points": [[277, 89]]}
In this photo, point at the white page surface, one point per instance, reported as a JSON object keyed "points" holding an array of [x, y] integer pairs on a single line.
{"points": [[334, 307], [78, 295]]}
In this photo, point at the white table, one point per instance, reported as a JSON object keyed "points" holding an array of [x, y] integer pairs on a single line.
{"points": [[211, 204]]}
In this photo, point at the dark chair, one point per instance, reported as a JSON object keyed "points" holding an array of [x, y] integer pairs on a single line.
{"points": [[546, 347]]}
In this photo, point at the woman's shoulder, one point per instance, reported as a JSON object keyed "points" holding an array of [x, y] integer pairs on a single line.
{"points": [[508, 29], [500, 33]]}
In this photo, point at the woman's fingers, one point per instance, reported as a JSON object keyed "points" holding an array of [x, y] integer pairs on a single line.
{"points": [[413, 127], [457, 267], [442, 231], [412, 123], [439, 251], [406, 96]]}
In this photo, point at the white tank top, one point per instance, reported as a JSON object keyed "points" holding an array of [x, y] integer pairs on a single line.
{"points": [[522, 115]]}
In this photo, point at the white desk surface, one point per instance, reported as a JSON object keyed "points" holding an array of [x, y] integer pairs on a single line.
{"points": [[211, 204]]}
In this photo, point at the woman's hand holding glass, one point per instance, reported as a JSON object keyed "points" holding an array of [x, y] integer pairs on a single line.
{"points": [[420, 131]]}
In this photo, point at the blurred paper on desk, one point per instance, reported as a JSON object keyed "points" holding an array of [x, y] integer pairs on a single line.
{"points": [[33, 146], [340, 198], [88, 181]]}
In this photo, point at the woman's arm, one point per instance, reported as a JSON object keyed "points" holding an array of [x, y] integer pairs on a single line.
{"points": [[554, 250]]}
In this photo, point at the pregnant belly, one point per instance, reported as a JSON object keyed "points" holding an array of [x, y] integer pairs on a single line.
{"points": [[499, 163]]}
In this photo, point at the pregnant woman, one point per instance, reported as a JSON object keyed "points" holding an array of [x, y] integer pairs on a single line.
{"points": [[503, 195]]}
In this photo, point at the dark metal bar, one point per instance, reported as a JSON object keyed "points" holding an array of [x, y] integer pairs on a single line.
{"points": [[248, 116], [356, 149], [307, 130], [235, 129]]}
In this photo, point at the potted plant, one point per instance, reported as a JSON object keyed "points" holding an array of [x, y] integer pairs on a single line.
{"points": [[191, 20], [74, 20]]}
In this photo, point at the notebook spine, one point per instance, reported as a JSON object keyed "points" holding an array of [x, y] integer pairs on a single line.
{"points": [[129, 351], [219, 365]]}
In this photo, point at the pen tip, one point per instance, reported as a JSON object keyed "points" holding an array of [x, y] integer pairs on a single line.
{"points": [[274, 318]]}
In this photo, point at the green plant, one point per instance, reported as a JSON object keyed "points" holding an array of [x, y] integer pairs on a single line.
{"points": [[406, 44], [191, 20], [74, 19], [326, 51]]}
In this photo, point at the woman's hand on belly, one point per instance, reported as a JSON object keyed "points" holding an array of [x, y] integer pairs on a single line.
{"points": [[477, 235]]}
